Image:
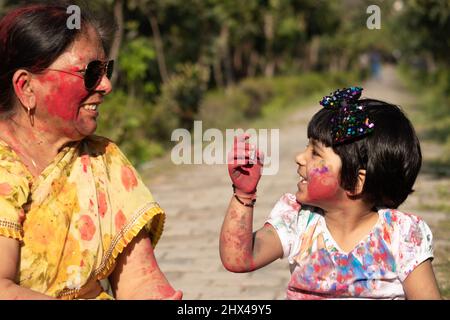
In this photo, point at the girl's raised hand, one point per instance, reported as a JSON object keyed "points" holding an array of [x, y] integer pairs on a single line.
{"points": [[245, 163]]}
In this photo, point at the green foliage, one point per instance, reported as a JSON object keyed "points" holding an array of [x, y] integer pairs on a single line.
{"points": [[241, 42], [180, 99], [423, 28], [423, 40], [134, 59], [223, 108], [434, 104], [258, 92], [266, 97], [125, 122]]}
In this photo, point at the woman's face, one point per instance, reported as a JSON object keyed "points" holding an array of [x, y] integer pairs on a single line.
{"points": [[61, 98], [319, 170]]}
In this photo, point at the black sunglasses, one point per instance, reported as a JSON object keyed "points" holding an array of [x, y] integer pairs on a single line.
{"points": [[93, 73]]}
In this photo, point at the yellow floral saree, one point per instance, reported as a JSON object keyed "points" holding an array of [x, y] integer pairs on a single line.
{"points": [[76, 217]]}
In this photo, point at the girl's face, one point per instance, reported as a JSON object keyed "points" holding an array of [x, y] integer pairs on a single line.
{"points": [[319, 170], [61, 98]]}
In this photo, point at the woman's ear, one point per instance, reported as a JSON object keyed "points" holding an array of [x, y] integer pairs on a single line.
{"points": [[22, 87], [359, 183]]}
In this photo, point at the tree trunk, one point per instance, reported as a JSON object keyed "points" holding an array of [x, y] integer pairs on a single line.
{"points": [[218, 75], [160, 57], [269, 33], [117, 40], [252, 64], [313, 53], [224, 53]]}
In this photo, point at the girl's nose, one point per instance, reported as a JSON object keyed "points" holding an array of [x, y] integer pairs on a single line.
{"points": [[300, 159]]}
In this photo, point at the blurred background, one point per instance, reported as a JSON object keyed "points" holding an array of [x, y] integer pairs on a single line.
{"points": [[256, 63], [227, 61]]}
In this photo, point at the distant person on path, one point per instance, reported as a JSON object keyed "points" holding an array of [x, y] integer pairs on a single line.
{"points": [[73, 210], [375, 65], [341, 231]]}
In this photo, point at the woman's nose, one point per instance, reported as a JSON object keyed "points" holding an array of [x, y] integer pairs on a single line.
{"points": [[105, 85]]}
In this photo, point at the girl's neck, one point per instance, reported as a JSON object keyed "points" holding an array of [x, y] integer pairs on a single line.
{"points": [[350, 228], [350, 217]]}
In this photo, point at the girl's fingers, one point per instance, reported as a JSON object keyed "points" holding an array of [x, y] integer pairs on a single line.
{"points": [[260, 157], [241, 137]]}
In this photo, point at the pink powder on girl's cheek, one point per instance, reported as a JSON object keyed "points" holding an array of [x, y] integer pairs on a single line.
{"points": [[322, 184]]}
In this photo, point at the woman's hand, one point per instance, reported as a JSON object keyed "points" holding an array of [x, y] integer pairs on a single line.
{"points": [[245, 164], [137, 274]]}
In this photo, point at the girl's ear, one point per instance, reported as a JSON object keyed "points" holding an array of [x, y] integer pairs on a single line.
{"points": [[359, 183]]}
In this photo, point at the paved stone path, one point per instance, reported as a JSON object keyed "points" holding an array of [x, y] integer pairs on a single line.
{"points": [[195, 198]]}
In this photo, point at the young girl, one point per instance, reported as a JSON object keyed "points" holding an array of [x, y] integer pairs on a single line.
{"points": [[341, 232]]}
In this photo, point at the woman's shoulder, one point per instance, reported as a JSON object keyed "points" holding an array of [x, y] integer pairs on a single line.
{"points": [[6, 152], [99, 145], [10, 163], [98, 141], [15, 180]]}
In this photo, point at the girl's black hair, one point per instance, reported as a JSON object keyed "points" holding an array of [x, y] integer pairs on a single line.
{"points": [[390, 155], [33, 36]]}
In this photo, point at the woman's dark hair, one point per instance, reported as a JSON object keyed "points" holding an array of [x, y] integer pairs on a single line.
{"points": [[390, 155], [33, 36]]}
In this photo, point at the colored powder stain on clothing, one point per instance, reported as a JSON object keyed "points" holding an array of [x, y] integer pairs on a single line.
{"points": [[120, 220], [85, 161], [388, 217], [414, 236], [374, 269], [102, 204], [5, 189], [86, 227], [341, 274], [386, 234], [129, 180], [358, 269], [322, 184]]}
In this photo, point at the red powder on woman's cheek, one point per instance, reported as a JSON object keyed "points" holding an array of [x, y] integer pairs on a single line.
{"points": [[322, 184], [65, 95]]}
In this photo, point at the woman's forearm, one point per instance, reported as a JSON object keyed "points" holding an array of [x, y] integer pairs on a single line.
{"points": [[236, 238], [12, 291]]}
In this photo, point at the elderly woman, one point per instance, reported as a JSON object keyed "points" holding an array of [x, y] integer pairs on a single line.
{"points": [[73, 211]]}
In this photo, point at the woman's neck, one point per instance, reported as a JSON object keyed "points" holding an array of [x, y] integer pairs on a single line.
{"points": [[35, 147]]}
